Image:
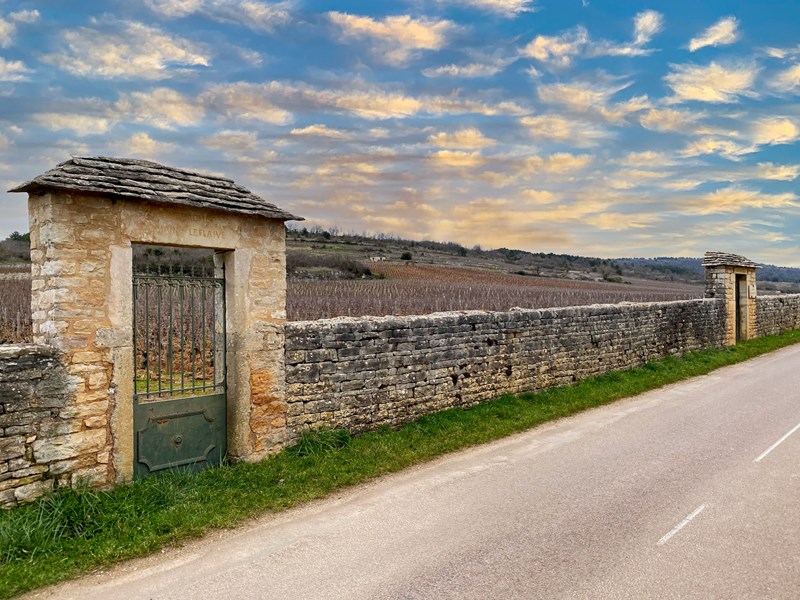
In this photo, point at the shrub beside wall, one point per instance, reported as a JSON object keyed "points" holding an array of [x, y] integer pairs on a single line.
{"points": [[362, 373], [776, 314]]}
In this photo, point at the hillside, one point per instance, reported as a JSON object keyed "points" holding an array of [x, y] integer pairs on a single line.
{"points": [[331, 275], [320, 254], [368, 250], [317, 253]]}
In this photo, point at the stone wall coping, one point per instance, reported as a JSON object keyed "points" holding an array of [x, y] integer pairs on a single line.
{"points": [[9, 351], [481, 316], [777, 296]]}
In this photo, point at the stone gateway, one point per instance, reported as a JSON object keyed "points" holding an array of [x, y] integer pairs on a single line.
{"points": [[85, 216], [100, 397]]}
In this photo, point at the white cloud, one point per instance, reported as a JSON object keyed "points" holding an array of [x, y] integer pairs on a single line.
{"points": [[562, 129], [712, 83], [560, 163], [468, 137], [735, 199], [457, 158], [539, 197], [81, 124], [629, 178], [787, 80], [141, 145], [251, 57], [394, 39], [622, 221], [320, 131], [7, 31], [174, 8], [12, 70], [72, 147], [762, 132], [246, 101], [775, 130], [231, 141], [470, 70], [160, 107], [592, 98], [669, 119], [508, 8], [782, 53], [271, 102], [4, 142], [259, 16], [619, 112], [558, 50], [777, 172], [646, 25], [723, 32], [347, 170], [455, 105], [578, 96], [29, 17], [126, 50], [682, 185], [722, 147], [646, 158]]}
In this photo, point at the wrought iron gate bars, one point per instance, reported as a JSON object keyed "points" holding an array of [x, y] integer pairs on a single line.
{"points": [[200, 315]]}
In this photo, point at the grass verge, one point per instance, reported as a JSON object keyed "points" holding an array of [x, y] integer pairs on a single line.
{"points": [[73, 532]]}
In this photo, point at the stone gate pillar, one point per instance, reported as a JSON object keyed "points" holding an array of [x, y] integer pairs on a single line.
{"points": [[732, 278], [85, 214]]}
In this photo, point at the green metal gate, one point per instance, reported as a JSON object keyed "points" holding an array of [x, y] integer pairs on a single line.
{"points": [[180, 403]]}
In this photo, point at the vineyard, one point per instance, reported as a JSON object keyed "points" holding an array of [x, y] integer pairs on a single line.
{"points": [[406, 289], [15, 304], [419, 289]]}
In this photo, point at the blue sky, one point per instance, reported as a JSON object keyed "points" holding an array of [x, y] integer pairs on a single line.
{"points": [[595, 127]]}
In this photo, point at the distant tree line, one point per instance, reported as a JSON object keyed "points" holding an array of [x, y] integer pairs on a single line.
{"points": [[16, 248]]}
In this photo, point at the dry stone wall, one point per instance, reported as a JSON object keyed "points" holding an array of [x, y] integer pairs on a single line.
{"points": [[776, 314], [363, 373], [41, 442]]}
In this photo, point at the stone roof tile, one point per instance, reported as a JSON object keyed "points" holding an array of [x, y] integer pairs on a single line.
{"points": [[724, 259], [145, 180]]}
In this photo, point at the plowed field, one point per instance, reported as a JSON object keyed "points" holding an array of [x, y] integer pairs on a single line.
{"points": [[407, 290], [419, 289]]}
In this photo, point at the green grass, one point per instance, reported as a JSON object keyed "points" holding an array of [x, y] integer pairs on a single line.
{"points": [[73, 532]]}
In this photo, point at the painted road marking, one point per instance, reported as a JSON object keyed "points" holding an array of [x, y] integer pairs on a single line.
{"points": [[681, 525], [778, 443]]}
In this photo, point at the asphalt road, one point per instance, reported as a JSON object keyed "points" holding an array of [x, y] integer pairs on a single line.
{"points": [[678, 493]]}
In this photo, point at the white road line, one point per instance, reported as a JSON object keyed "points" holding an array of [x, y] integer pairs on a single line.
{"points": [[778, 443], [681, 525]]}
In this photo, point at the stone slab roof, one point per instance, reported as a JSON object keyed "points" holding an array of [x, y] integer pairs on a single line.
{"points": [[724, 259], [145, 180]]}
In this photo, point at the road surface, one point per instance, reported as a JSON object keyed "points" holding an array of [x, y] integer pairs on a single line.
{"points": [[691, 491]]}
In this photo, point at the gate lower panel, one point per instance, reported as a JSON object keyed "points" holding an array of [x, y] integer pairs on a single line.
{"points": [[184, 433]]}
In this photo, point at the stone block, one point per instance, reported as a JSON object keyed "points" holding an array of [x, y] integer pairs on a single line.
{"points": [[97, 476], [12, 447], [69, 446], [7, 499]]}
